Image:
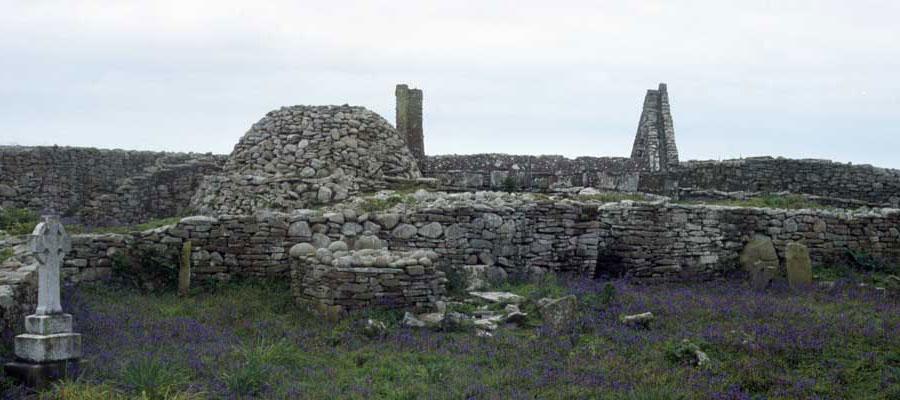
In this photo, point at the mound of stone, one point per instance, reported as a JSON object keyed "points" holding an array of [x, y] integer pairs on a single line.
{"points": [[300, 156]]}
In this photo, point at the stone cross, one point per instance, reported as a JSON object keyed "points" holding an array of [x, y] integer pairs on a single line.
{"points": [[50, 243]]}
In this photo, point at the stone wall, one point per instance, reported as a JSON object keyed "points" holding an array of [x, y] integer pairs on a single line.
{"points": [[339, 279], [817, 177], [664, 241], [521, 233], [101, 187], [531, 173]]}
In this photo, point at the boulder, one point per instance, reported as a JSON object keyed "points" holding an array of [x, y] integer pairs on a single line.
{"points": [[642, 320], [798, 264], [410, 321], [498, 297], [371, 328], [559, 313], [457, 322]]}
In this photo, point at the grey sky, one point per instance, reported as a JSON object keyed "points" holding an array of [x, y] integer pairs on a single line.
{"points": [[792, 78]]}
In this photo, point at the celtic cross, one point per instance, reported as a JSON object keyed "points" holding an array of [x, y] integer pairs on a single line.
{"points": [[50, 243]]}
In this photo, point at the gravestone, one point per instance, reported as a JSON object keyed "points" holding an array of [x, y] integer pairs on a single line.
{"points": [[798, 264], [48, 350], [760, 260]]}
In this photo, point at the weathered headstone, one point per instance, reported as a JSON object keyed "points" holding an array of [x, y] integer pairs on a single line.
{"points": [[48, 350], [798, 264], [760, 260]]}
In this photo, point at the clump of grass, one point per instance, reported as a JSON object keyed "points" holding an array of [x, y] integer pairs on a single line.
{"points": [[373, 204], [154, 379], [5, 254], [789, 202], [18, 221]]}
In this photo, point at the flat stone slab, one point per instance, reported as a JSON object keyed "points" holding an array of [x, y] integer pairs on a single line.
{"points": [[498, 297], [48, 348]]}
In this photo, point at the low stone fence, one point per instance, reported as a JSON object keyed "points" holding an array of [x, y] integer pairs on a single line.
{"points": [[522, 234], [663, 242], [336, 279]]}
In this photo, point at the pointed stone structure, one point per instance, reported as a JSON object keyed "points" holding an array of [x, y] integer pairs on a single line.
{"points": [[409, 120], [654, 144]]}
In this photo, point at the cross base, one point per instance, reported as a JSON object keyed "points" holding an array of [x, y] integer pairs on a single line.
{"points": [[39, 376]]}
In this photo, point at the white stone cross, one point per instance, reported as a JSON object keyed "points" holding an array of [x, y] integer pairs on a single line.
{"points": [[50, 243]]}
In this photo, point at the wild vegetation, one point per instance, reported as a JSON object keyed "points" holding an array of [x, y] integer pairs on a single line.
{"points": [[248, 340]]}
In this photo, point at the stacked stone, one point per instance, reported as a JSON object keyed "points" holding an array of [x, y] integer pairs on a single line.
{"points": [[816, 177], [664, 242], [654, 144], [531, 173], [338, 279], [305, 155], [520, 233], [92, 256], [101, 187], [18, 284]]}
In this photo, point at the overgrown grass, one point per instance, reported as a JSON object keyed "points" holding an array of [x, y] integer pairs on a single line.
{"points": [[5, 254], [249, 340], [17, 221], [790, 202]]}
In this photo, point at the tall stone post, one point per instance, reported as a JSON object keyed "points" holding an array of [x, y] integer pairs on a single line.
{"points": [[48, 350], [654, 143], [409, 120]]}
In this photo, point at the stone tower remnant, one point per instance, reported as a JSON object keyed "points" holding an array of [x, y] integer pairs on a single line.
{"points": [[409, 120], [654, 144]]}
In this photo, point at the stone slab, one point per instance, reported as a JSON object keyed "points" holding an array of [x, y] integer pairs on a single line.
{"points": [[39, 376], [48, 348]]}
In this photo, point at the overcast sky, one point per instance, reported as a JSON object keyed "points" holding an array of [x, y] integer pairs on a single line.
{"points": [[801, 79]]}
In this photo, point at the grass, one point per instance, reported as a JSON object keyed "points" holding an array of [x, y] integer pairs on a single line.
{"points": [[372, 204], [17, 221], [5, 254], [790, 202], [248, 340]]}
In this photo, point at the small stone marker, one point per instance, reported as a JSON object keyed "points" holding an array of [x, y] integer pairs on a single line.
{"points": [[798, 264], [760, 260], [184, 273], [49, 350]]}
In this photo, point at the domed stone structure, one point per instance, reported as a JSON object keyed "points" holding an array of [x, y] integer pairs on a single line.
{"points": [[300, 156]]}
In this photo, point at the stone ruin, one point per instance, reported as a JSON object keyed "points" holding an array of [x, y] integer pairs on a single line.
{"points": [[654, 144], [321, 195], [301, 156]]}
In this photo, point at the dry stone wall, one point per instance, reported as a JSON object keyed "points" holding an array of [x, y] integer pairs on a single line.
{"points": [[816, 177], [523, 234], [531, 173], [338, 279], [661, 241], [101, 187]]}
